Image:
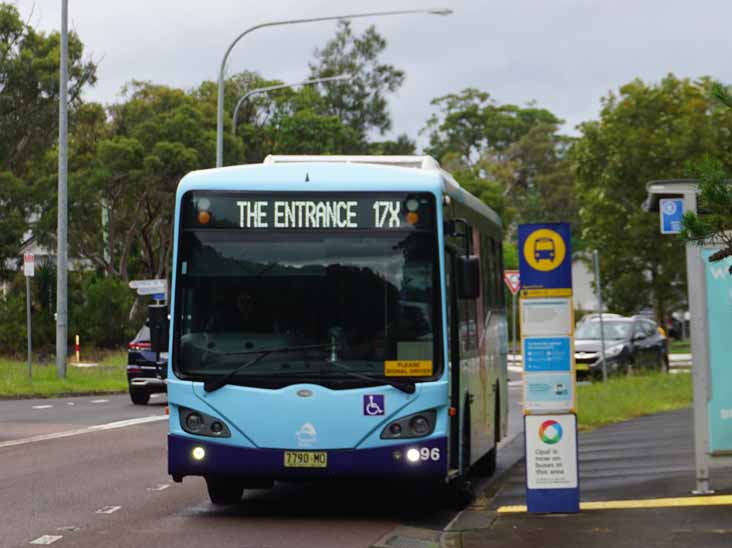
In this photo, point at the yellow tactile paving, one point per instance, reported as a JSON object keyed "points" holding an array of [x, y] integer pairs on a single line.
{"points": [[679, 502]]}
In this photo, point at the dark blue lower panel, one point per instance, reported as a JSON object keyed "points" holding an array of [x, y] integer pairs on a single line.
{"points": [[544, 501], [230, 461]]}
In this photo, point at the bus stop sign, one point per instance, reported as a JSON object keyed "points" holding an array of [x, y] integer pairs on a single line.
{"points": [[672, 211]]}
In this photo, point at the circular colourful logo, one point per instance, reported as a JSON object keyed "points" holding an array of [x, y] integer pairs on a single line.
{"points": [[550, 432]]}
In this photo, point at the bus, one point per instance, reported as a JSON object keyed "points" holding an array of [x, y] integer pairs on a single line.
{"points": [[334, 317]]}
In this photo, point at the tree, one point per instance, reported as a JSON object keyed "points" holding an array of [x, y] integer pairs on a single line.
{"points": [[360, 102], [645, 132], [512, 157], [714, 225], [29, 88]]}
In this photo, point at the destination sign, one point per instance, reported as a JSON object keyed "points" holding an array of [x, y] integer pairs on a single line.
{"points": [[298, 212]]}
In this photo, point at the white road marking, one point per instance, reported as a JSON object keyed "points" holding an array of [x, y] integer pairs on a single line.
{"points": [[70, 403], [42, 406], [99, 401], [515, 369], [155, 395], [108, 510], [86, 430], [68, 528], [159, 487], [515, 384], [46, 539]]}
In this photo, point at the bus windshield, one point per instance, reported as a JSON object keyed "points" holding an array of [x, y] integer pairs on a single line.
{"points": [[357, 300]]}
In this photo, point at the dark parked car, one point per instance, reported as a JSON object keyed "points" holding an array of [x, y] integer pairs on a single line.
{"points": [[145, 375], [629, 343]]}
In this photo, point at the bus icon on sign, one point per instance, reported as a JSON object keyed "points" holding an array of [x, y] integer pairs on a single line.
{"points": [[544, 250]]}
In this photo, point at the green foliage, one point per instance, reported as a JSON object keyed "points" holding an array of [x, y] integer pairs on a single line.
{"points": [[102, 317], [511, 157], [12, 323], [714, 222], [361, 101], [645, 132], [29, 87]]}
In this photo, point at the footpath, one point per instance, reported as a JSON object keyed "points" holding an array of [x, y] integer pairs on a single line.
{"points": [[636, 479]]}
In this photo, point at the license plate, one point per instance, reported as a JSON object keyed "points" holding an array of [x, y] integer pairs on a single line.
{"points": [[582, 367], [306, 459]]}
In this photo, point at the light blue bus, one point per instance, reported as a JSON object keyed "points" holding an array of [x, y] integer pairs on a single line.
{"points": [[334, 317]]}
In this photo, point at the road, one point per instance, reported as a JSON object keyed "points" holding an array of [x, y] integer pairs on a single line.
{"points": [[94, 473]]}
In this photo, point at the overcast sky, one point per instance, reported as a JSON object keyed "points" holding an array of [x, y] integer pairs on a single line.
{"points": [[564, 54]]}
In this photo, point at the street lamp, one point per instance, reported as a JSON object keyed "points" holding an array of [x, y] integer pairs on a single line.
{"points": [[220, 109], [281, 86], [62, 230]]}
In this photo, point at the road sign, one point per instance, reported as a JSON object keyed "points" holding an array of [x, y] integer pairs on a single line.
{"points": [[513, 280], [545, 257], [672, 211], [29, 264], [149, 287]]}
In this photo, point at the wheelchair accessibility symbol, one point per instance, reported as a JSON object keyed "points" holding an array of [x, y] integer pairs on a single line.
{"points": [[373, 405]]}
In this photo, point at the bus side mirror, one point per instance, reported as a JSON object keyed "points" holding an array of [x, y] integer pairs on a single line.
{"points": [[159, 327], [469, 277]]}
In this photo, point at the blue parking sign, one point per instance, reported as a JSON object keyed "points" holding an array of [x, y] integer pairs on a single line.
{"points": [[672, 211]]}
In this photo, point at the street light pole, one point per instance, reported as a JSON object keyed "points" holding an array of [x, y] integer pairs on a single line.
{"points": [[63, 225], [281, 86], [222, 69]]}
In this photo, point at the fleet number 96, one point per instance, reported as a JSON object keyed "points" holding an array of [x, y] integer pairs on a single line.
{"points": [[425, 453]]}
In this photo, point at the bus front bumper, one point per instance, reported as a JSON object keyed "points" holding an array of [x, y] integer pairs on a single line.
{"points": [[220, 460]]}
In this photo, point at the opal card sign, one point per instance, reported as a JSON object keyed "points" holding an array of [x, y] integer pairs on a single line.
{"points": [[552, 479]]}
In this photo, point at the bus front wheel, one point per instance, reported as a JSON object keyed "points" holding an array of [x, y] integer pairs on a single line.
{"points": [[222, 491]]}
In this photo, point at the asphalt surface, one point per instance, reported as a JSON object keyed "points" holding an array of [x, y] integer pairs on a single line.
{"points": [[647, 459], [109, 487]]}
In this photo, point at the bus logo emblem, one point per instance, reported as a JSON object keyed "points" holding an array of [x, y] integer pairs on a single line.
{"points": [[307, 435], [373, 405]]}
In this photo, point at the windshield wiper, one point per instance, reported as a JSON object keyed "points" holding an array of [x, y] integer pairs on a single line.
{"points": [[215, 384], [406, 387]]}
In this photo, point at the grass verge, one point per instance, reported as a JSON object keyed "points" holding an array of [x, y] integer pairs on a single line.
{"points": [[107, 377], [623, 398], [679, 347]]}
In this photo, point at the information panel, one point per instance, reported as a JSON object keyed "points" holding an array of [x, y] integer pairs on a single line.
{"points": [[546, 317], [549, 392], [551, 452], [547, 354], [719, 306]]}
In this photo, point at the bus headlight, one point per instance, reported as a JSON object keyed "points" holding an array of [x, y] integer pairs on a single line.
{"points": [[199, 453], [200, 424], [412, 426], [413, 455]]}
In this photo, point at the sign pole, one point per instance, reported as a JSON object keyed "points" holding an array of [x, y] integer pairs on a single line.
{"points": [[600, 306], [28, 322], [514, 325]]}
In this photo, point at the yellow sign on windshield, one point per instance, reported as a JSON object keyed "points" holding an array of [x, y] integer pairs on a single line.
{"points": [[408, 368]]}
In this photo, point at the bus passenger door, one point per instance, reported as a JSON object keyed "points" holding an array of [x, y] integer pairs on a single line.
{"points": [[453, 353]]}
